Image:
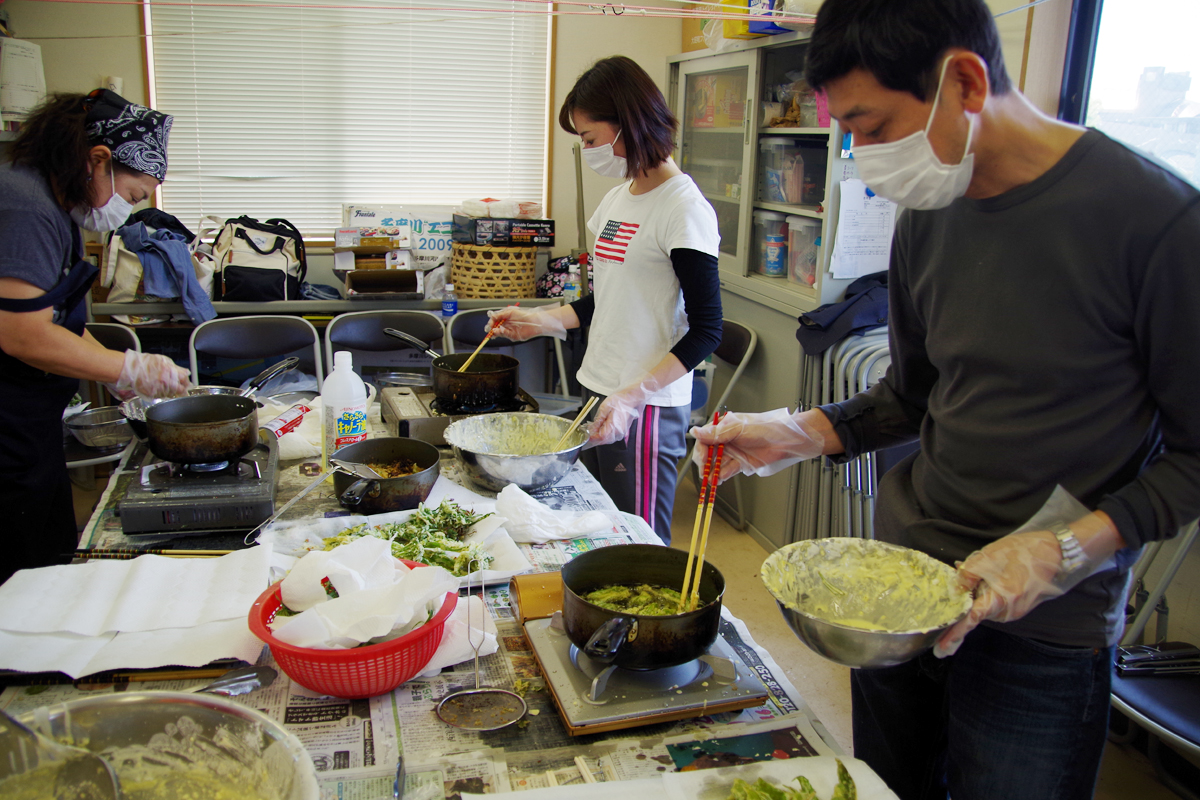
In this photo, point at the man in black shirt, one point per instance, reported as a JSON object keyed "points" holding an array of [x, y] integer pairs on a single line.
{"points": [[1045, 340]]}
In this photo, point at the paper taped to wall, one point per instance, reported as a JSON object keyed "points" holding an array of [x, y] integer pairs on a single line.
{"points": [[22, 81]]}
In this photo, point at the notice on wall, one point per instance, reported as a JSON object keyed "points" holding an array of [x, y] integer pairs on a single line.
{"points": [[22, 81], [864, 232]]}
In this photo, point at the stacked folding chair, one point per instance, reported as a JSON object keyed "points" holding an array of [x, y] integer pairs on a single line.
{"points": [[839, 499]]}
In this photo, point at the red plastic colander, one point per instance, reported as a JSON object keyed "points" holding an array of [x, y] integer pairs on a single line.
{"points": [[359, 671]]}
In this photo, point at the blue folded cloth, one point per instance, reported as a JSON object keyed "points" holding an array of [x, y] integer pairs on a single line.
{"points": [[167, 269]]}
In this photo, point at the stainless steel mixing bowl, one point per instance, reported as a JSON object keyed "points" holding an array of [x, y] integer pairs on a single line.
{"points": [[846, 644], [104, 428], [164, 737], [494, 449]]}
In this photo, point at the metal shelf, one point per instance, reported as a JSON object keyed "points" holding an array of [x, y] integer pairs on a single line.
{"points": [[795, 131], [786, 208]]}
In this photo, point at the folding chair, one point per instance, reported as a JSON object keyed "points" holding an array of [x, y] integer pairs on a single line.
{"points": [[361, 333], [1164, 705], [737, 346], [270, 338], [115, 336]]}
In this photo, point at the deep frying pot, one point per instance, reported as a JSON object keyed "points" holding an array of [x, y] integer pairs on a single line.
{"points": [[376, 496], [635, 641], [207, 428], [202, 429], [491, 379]]}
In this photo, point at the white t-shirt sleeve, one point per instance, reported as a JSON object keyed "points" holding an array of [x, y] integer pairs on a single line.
{"points": [[692, 225]]}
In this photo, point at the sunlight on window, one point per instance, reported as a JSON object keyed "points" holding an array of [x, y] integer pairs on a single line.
{"points": [[1146, 79]]}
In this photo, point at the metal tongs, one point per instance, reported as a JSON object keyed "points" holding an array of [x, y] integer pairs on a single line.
{"points": [[1165, 658]]}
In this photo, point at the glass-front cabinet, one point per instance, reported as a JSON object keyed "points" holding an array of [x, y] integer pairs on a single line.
{"points": [[756, 141]]}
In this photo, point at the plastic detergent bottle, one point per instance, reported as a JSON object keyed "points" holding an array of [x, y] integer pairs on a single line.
{"points": [[343, 406], [449, 302]]}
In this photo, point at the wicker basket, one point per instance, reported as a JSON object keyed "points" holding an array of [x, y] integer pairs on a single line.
{"points": [[493, 272]]}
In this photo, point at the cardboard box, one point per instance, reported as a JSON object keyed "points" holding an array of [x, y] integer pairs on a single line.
{"points": [[393, 237], [385, 284], [693, 30], [502, 232]]}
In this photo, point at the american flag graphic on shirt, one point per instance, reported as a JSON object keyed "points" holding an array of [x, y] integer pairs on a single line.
{"points": [[614, 240]]}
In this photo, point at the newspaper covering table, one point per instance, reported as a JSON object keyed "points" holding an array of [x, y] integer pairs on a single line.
{"points": [[355, 743]]}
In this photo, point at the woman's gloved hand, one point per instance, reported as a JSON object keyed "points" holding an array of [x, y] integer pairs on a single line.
{"points": [[617, 413], [519, 324], [1009, 577], [151, 375], [758, 444]]}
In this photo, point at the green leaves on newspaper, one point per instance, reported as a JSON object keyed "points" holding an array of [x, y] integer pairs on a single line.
{"points": [[431, 536], [762, 790]]}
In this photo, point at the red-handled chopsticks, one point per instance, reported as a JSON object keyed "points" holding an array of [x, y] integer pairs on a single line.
{"points": [[690, 595]]}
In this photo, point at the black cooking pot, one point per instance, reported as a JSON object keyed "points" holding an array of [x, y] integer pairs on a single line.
{"points": [[636, 641], [208, 428], [377, 495], [202, 429], [491, 380]]}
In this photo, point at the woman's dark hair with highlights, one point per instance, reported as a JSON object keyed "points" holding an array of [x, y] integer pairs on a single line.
{"points": [[618, 91]]}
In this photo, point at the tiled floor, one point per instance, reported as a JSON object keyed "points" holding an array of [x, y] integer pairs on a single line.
{"points": [[1125, 774]]}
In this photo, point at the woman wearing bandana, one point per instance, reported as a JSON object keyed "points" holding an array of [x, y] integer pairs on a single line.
{"points": [[80, 161], [656, 310]]}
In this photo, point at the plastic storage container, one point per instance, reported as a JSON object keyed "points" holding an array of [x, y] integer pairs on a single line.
{"points": [[343, 405], [803, 235], [770, 239], [780, 171]]}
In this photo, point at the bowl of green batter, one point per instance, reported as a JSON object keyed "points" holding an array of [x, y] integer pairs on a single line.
{"points": [[861, 602]]}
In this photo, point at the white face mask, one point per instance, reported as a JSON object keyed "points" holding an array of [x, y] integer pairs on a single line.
{"points": [[908, 172], [108, 217], [604, 161]]}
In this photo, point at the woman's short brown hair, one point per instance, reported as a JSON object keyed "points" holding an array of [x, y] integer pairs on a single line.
{"points": [[618, 91]]}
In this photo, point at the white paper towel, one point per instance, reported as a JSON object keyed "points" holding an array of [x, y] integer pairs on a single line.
{"points": [[527, 520], [147, 593]]}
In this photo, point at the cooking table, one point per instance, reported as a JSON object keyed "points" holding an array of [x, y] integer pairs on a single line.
{"points": [[355, 743]]}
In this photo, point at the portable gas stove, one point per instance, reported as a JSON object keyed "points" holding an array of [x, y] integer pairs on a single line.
{"points": [[164, 497], [592, 697], [417, 413]]}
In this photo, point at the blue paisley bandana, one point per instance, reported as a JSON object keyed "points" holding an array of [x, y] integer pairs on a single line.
{"points": [[136, 135]]}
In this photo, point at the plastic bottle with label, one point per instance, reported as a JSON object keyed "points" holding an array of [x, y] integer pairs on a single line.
{"points": [[343, 406], [571, 287], [449, 302]]}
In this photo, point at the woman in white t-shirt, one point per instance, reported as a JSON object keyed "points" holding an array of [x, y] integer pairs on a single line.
{"points": [[656, 309]]}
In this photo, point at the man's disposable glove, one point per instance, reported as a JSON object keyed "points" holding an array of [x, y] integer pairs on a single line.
{"points": [[519, 324], [617, 413], [150, 375], [758, 444], [1009, 577]]}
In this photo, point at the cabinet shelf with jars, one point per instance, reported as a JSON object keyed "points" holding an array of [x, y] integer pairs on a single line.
{"points": [[752, 140]]}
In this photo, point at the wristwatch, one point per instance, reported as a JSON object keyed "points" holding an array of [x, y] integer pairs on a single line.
{"points": [[1073, 557]]}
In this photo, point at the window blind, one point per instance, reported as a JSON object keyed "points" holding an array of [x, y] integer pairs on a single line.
{"points": [[291, 112]]}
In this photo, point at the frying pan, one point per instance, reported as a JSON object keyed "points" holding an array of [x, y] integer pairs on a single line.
{"points": [[491, 379]]}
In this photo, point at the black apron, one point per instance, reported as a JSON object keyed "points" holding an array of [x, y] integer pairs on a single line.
{"points": [[35, 490]]}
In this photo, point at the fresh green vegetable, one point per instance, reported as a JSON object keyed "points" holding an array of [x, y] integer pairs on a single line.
{"points": [[642, 598], [762, 790], [431, 536]]}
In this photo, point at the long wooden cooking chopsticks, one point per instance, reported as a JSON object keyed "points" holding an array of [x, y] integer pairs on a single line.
{"points": [[690, 594], [586, 408], [126, 553], [489, 335]]}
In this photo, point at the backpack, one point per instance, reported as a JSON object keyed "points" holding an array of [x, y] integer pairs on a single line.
{"points": [[258, 261]]}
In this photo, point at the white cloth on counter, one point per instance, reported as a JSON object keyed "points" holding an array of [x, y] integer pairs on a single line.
{"points": [[457, 636], [151, 611], [378, 599], [143, 594], [529, 521]]}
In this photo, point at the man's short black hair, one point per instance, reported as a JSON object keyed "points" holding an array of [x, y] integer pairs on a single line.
{"points": [[901, 42]]}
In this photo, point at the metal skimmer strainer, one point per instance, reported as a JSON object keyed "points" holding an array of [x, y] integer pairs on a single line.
{"points": [[483, 708]]}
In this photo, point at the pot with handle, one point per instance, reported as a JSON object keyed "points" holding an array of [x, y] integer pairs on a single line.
{"points": [[208, 428], [638, 641], [490, 380], [379, 495]]}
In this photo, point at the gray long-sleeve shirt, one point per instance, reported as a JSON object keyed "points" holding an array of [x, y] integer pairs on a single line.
{"points": [[1049, 335]]}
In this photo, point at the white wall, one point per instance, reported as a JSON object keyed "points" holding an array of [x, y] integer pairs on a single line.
{"points": [[83, 43]]}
